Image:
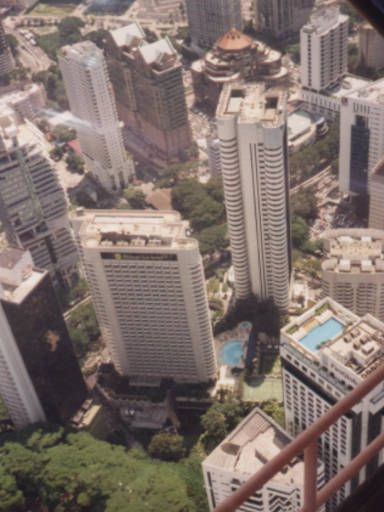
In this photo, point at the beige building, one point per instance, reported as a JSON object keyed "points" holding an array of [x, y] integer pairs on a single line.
{"points": [[353, 269], [376, 200], [147, 284], [149, 90], [371, 47], [235, 56], [7, 62], [245, 451]]}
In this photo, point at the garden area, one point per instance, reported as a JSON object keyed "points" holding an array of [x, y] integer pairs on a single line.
{"points": [[111, 7], [54, 8]]}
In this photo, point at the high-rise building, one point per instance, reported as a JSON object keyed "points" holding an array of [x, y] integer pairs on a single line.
{"points": [[210, 19], [254, 442], [326, 353], [149, 89], [361, 137], [92, 101], [40, 378], [33, 208], [214, 158], [352, 271], [252, 129], [324, 49], [7, 62], [371, 47], [376, 199], [282, 18], [147, 283]]}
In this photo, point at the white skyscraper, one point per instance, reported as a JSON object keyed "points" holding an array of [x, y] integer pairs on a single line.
{"points": [[252, 130], [92, 101], [210, 19], [147, 283], [326, 353], [361, 137], [324, 49]]}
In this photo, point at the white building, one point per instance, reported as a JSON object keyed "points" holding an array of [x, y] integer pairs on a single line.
{"points": [[371, 47], [326, 353], [252, 129], [255, 441], [210, 19], [214, 158], [26, 103], [324, 49], [147, 283], [361, 136], [92, 101], [281, 18], [376, 199], [7, 62], [33, 207], [353, 269], [16, 388]]}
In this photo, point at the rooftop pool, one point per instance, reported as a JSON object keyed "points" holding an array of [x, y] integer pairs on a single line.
{"points": [[231, 353], [322, 333]]}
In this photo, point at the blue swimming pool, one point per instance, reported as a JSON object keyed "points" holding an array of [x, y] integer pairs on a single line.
{"points": [[231, 352], [321, 333]]}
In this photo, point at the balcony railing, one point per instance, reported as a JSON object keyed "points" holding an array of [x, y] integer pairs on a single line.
{"points": [[306, 443]]}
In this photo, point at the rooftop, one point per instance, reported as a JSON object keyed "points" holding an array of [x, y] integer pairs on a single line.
{"points": [[154, 53], [252, 103], [349, 84], [131, 34], [136, 229], [354, 345], [255, 441], [373, 92], [354, 251], [324, 20], [234, 40]]}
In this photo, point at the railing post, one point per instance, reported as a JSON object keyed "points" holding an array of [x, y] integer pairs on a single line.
{"points": [[310, 477]]}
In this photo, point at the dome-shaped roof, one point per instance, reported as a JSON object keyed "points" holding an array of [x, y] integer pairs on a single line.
{"points": [[234, 41]]}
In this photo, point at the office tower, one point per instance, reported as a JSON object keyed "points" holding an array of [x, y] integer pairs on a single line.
{"points": [[324, 49], [149, 89], [234, 56], [210, 19], [147, 284], [252, 129], [282, 18], [214, 158], [40, 378], [371, 47], [326, 353], [352, 270], [6, 60], [254, 442], [361, 137], [91, 100], [33, 208], [376, 199]]}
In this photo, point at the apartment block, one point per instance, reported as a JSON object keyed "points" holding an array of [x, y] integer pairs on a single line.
{"points": [[252, 129], [352, 270], [324, 49], [256, 441], [326, 353], [92, 102], [40, 378], [147, 284]]}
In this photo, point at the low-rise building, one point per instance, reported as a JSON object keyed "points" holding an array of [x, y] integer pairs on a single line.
{"points": [[244, 452], [353, 269]]}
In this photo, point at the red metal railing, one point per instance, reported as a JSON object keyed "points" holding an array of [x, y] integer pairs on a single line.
{"points": [[306, 443]]}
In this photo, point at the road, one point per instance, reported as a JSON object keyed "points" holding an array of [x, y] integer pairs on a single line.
{"points": [[310, 181]]}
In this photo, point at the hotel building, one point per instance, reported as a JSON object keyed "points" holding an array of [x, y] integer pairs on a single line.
{"points": [[252, 129], [325, 353], [147, 284]]}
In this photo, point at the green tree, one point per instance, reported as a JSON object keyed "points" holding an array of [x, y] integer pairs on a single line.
{"points": [[57, 153], [13, 44], [166, 446], [63, 133], [135, 198], [11, 498], [213, 238], [300, 232], [69, 30], [214, 424], [75, 163], [304, 204]]}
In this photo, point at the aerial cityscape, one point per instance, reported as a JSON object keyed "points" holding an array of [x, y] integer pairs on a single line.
{"points": [[191, 256]]}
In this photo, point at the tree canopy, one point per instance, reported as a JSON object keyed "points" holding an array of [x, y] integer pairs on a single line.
{"points": [[166, 446]]}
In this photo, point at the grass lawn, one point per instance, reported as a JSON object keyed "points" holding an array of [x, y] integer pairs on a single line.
{"points": [[261, 389], [49, 8]]}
